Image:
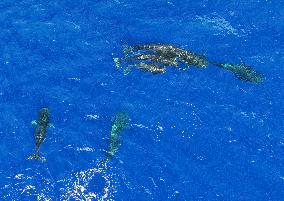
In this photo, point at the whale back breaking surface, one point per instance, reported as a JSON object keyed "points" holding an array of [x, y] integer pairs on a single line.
{"points": [[242, 72], [40, 133], [120, 123], [156, 58]]}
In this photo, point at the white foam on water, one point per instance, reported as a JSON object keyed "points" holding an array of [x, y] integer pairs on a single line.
{"points": [[77, 187], [28, 183], [220, 24], [85, 149], [74, 186]]}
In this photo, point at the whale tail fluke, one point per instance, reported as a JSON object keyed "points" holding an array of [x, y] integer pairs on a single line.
{"points": [[117, 62], [127, 50], [36, 156]]}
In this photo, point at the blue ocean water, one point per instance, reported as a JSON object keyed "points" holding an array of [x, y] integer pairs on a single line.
{"points": [[195, 135]]}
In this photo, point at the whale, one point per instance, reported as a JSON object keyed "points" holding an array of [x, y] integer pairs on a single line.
{"points": [[42, 123]]}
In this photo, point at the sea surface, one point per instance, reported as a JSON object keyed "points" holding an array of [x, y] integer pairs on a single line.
{"points": [[193, 135]]}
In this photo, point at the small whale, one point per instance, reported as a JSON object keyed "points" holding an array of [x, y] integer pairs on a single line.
{"points": [[40, 132], [241, 71], [154, 68], [149, 58], [120, 122]]}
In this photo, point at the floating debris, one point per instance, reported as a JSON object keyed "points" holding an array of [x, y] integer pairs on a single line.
{"points": [[241, 71], [120, 122], [40, 133]]}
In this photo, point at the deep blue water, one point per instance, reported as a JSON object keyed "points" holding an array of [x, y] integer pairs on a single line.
{"points": [[194, 135]]}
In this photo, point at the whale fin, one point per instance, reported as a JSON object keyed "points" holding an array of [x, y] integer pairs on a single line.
{"points": [[117, 62], [128, 69], [34, 123], [50, 125], [127, 49], [37, 157]]}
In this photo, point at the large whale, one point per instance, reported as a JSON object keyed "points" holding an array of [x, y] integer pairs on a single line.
{"points": [[241, 71], [42, 123]]}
